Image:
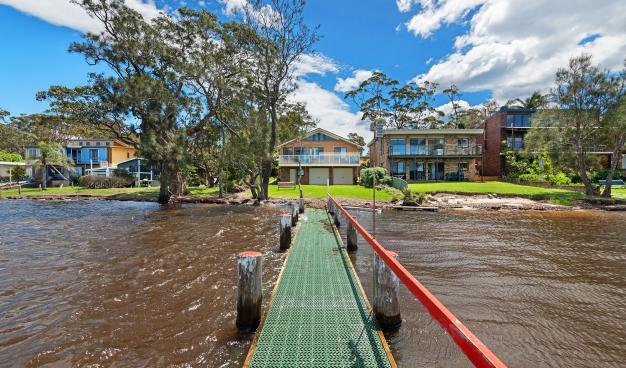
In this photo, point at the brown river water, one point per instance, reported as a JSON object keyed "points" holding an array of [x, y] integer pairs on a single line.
{"points": [[123, 284]]}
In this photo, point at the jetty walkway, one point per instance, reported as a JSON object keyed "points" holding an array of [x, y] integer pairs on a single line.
{"points": [[319, 315]]}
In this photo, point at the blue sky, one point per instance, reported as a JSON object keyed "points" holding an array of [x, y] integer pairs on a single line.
{"points": [[490, 48]]}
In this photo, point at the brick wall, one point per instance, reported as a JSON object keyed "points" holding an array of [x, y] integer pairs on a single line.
{"points": [[492, 143]]}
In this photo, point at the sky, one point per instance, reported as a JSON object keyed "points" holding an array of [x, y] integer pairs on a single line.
{"points": [[498, 49]]}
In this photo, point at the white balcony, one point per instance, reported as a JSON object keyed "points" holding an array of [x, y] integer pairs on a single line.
{"points": [[322, 159]]}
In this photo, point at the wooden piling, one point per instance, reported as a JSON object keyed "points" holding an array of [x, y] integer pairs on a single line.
{"points": [[352, 238], [336, 219], [385, 301], [330, 205], [249, 290], [285, 232], [301, 205], [294, 215]]}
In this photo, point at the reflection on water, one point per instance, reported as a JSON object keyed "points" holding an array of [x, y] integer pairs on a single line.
{"points": [[125, 284], [540, 289], [133, 284]]}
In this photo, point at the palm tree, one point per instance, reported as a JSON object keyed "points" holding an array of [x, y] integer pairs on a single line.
{"points": [[535, 101], [50, 154]]}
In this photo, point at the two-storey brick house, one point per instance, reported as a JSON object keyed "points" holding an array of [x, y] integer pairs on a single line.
{"points": [[429, 154], [319, 156]]}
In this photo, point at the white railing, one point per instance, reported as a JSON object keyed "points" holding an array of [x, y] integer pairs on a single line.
{"points": [[321, 159]]}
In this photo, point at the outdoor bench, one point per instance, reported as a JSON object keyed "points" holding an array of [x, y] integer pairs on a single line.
{"points": [[286, 184]]}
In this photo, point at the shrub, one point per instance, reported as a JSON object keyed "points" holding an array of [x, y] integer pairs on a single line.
{"points": [[531, 177], [367, 176], [10, 157], [559, 179], [103, 182], [413, 199]]}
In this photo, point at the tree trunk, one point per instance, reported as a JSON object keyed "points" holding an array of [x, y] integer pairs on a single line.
{"points": [[582, 168], [615, 160], [44, 180], [164, 192], [266, 172]]}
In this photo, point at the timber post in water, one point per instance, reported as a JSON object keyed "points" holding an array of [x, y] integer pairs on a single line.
{"points": [[386, 285], [336, 219], [301, 205], [249, 290], [330, 205], [352, 237], [285, 232], [294, 215]]}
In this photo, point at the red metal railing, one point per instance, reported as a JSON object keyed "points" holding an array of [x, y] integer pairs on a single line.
{"points": [[471, 346]]}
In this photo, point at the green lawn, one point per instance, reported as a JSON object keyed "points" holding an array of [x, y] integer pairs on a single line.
{"points": [[121, 193], [339, 191], [496, 187], [618, 193], [555, 196]]}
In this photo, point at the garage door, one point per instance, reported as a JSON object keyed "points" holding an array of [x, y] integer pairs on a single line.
{"points": [[318, 175], [342, 176]]}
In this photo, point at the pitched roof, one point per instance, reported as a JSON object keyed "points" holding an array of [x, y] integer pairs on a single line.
{"points": [[319, 130]]}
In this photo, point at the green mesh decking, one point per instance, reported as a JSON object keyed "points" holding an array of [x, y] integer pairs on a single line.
{"points": [[318, 317]]}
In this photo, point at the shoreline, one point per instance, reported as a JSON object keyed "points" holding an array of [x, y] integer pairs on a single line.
{"points": [[440, 200]]}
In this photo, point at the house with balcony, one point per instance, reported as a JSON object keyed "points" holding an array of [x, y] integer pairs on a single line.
{"points": [[509, 127], [86, 155], [317, 157], [98, 153], [428, 154]]}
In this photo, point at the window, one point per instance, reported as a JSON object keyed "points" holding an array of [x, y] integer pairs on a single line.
{"points": [[87, 143], [127, 154], [33, 153], [80, 143], [341, 150], [94, 155], [97, 143], [435, 147], [462, 142], [518, 121], [318, 151], [417, 146], [319, 137], [624, 162], [416, 170], [398, 169], [463, 166], [398, 146], [108, 143], [288, 151], [516, 143]]}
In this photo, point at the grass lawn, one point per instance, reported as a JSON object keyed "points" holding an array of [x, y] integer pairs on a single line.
{"points": [[121, 193], [556, 196], [319, 191], [618, 193]]}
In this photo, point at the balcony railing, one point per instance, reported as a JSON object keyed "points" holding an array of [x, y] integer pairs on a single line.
{"points": [[321, 159], [448, 150]]}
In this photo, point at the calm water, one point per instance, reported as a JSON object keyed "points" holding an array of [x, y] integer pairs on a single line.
{"points": [[132, 284]]}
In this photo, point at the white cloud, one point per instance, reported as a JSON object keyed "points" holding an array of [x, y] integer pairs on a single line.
{"points": [[314, 64], [350, 83], [514, 47], [67, 14], [232, 7], [447, 107], [332, 112], [433, 15], [404, 5]]}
